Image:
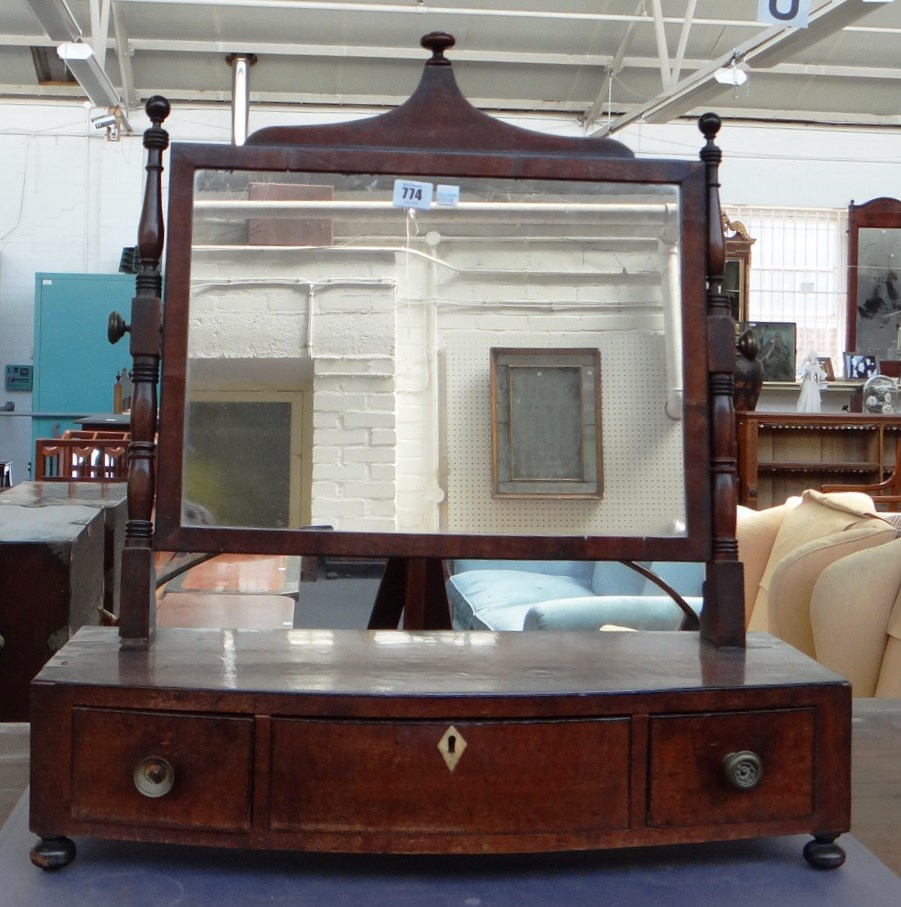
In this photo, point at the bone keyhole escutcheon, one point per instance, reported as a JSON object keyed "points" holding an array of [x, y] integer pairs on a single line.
{"points": [[451, 747]]}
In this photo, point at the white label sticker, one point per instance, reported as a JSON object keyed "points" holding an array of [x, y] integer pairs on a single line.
{"points": [[791, 13], [449, 196], [410, 194]]}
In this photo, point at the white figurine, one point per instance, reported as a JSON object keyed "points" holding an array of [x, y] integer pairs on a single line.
{"points": [[812, 376]]}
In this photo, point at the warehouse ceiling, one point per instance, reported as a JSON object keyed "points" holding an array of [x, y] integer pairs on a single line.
{"points": [[601, 63]]}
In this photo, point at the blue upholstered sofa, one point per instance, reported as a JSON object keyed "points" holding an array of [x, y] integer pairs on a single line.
{"points": [[568, 595]]}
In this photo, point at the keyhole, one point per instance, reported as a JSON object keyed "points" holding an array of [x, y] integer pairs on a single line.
{"points": [[451, 744]]}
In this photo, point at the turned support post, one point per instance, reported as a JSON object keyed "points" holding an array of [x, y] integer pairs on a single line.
{"points": [[722, 620], [137, 612]]}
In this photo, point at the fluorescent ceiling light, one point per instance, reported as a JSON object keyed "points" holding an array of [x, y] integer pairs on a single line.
{"points": [[56, 19], [82, 63], [74, 50], [731, 75]]}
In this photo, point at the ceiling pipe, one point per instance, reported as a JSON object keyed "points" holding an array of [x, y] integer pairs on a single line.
{"points": [[240, 64]]}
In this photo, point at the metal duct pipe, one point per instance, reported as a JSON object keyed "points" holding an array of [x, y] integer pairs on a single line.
{"points": [[240, 64]]}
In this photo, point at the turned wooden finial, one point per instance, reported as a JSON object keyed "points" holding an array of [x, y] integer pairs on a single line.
{"points": [[709, 124], [711, 155], [157, 109], [438, 42]]}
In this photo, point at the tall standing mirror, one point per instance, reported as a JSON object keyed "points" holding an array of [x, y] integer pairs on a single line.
{"points": [[874, 278]]}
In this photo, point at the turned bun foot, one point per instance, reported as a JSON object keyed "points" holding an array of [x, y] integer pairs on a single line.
{"points": [[824, 853], [53, 853]]}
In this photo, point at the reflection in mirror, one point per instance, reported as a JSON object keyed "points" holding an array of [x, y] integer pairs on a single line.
{"points": [[878, 292], [340, 344]]}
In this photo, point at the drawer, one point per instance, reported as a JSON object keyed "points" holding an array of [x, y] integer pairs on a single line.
{"points": [[516, 777], [210, 757], [688, 776]]}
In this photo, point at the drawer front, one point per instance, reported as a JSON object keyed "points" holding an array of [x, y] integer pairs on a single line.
{"points": [[689, 778], [210, 759], [498, 778]]}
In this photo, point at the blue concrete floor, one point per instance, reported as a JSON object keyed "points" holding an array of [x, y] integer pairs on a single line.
{"points": [[761, 873]]}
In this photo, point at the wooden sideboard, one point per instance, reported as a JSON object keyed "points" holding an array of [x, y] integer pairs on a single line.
{"points": [[60, 552], [781, 454]]}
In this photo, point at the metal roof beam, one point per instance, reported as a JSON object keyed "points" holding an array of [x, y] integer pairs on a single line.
{"points": [[771, 46], [433, 11], [615, 66], [132, 45], [123, 57], [683, 39], [666, 73]]}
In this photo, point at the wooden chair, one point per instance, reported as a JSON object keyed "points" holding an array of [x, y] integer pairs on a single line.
{"points": [[887, 493], [82, 459]]}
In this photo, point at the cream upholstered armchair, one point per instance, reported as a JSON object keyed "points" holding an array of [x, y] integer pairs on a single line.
{"points": [[785, 549], [855, 614]]}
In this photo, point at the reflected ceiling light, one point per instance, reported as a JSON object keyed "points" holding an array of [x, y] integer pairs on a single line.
{"points": [[82, 63], [56, 19]]}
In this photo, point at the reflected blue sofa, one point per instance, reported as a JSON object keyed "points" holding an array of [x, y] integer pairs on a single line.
{"points": [[568, 595]]}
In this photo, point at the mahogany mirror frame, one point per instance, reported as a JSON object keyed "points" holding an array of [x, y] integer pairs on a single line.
{"points": [[437, 132]]}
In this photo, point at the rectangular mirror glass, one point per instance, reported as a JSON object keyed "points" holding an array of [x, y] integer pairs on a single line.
{"points": [[340, 344], [878, 293]]}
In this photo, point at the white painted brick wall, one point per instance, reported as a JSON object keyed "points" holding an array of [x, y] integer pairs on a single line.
{"points": [[356, 415], [419, 485]]}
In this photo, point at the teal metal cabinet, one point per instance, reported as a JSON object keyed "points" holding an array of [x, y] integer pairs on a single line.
{"points": [[75, 366]]}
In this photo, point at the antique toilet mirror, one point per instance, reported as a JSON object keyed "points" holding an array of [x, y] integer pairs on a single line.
{"points": [[423, 336]]}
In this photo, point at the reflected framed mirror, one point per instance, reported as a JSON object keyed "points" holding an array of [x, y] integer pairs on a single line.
{"points": [[546, 423]]}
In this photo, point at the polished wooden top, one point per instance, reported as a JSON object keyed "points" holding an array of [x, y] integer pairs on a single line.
{"points": [[821, 420], [40, 494], [395, 664]]}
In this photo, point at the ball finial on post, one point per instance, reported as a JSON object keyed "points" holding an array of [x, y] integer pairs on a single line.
{"points": [[157, 109], [709, 124]]}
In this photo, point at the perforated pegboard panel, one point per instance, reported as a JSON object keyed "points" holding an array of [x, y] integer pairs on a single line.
{"points": [[642, 448]]}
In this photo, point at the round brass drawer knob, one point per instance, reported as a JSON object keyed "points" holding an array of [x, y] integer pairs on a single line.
{"points": [[743, 769], [154, 777]]}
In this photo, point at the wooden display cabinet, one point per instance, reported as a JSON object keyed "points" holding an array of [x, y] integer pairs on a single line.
{"points": [[782, 454], [737, 276], [429, 740]]}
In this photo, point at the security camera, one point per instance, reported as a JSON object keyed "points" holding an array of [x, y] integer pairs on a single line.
{"points": [[104, 121]]}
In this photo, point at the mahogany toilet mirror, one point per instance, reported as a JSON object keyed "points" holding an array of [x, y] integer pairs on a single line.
{"points": [[450, 338]]}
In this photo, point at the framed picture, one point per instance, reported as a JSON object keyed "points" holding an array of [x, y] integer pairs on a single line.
{"points": [[859, 366], [546, 422], [826, 366], [776, 341]]}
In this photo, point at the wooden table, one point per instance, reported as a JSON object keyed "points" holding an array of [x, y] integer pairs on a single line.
{"points": [[108, 497], [51, 564]]}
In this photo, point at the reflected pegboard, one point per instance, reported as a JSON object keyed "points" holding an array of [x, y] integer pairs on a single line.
{"points": [[643, 458]]}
